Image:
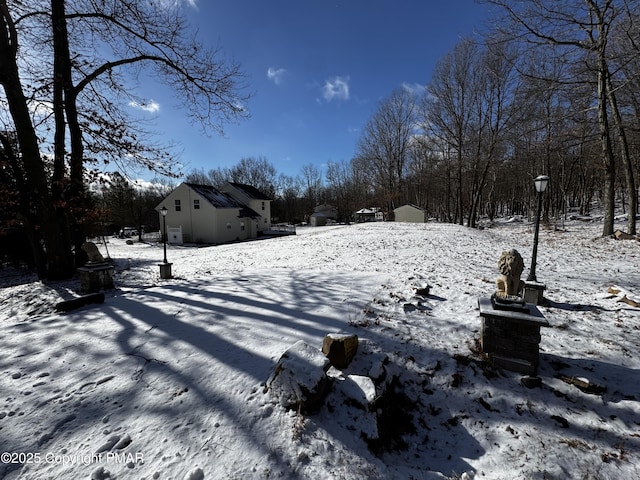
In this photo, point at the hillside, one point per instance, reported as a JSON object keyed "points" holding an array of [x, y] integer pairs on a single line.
{"points": [[165, 380]]}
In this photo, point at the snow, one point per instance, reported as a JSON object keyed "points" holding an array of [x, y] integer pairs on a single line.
{"points": [[166, 379]]}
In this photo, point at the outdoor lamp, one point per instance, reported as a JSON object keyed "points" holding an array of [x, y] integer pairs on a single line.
{"points": [[540, 182], [163, 211]]}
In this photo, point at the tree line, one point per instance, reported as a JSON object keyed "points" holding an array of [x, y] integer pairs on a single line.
{"points": [[551, 87]]}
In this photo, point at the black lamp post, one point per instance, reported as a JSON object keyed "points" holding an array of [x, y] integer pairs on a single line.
{"points": [[541, 183], [163, 211]]}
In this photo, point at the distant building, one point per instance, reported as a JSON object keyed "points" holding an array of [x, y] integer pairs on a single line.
{"points": [[371, 214], [323, 214], [410, 213], [204, 214]]}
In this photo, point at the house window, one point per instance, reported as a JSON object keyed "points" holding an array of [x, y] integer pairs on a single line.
{"points": [[228, 226], [178, 206], [196, 204], [242, 226], [262, 205]]}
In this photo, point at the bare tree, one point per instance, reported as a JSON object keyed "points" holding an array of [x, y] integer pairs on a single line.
{"points": [[386, 143], [449, 109], [88, 92], [258, 172], [311, 181], [581, 32]]}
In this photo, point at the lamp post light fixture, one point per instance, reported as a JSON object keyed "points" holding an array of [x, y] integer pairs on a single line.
{"points": [[540, 183], [163, 211], [165, 267]]}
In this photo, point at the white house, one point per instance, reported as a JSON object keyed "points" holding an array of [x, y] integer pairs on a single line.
{"points": [[252, 198], [204, 214], [322, 214], [410, 213]]}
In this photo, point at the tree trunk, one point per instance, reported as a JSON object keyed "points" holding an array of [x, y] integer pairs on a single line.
{"points": [[38, 198], [71, 222], [608, 157], [626, 159]]}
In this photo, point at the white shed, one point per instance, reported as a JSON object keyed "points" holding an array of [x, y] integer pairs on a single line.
{"points": [[410, 213]]}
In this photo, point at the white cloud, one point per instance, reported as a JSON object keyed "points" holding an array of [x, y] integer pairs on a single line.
{"points": [[151, 106], [336, 89], [415, 88], [276, 75], [178, 3]]}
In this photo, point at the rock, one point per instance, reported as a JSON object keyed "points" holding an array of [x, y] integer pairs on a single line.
{"points": [[299, 380], [360, 390], [531, 382], [100, 474], [422, 290], [195, 474], [340, 349], [620, 235]]}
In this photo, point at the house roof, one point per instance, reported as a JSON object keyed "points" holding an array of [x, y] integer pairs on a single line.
{"points": [[247, 212], [215, 197], [368, 211], [250, 191], [410, 205]]}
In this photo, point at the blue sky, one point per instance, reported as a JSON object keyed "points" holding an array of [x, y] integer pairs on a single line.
{"points": [[317, 71]]}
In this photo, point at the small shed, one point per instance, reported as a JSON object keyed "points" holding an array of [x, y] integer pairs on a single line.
{"points": [[410, 213], [318, 219], [329, 211]]}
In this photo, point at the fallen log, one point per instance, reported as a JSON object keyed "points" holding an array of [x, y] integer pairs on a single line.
{"points": [[74, 303]]}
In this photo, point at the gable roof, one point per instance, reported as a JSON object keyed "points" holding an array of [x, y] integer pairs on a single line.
{"points": [[222, 200], [411, 205], [250, 191], [214, 196]]}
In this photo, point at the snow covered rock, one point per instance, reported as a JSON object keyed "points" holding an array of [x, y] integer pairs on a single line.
{"points": [[359, 389], [299, 379], [195, 474]]}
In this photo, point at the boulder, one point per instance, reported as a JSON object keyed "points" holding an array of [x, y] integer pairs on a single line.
{"points": [[340, 349], [299, 380]]}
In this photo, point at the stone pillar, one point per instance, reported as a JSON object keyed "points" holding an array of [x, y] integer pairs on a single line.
{"points": [[511, 338], [534, 292], [96, 276], [165, 270]]}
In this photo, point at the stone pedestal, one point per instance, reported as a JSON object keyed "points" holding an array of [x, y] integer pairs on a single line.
{"points": [[534, 292], [511, 338], [165, 270], [96, 276]]}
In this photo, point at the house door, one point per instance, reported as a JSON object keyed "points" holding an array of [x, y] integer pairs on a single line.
{"points": [[174, 234]]}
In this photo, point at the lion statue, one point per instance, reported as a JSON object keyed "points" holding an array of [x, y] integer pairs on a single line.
{"points": [[92, 252], [510, 267]]}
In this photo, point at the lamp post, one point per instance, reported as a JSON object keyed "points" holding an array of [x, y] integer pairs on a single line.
{"points": [[541, 183], [165, 267], [163, 211]]}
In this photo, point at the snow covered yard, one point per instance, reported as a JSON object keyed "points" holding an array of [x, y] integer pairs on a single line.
{"points": [[165, 380]]}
